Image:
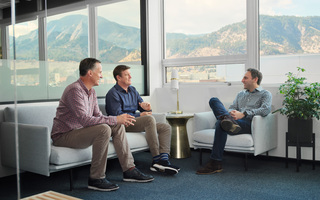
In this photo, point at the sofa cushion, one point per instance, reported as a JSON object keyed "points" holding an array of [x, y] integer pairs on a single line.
{"points": [[136, 140], [64, 155], [204, 120], [207, 136]]}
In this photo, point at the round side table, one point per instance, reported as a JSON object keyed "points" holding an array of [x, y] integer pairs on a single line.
{"points": [[179, 139]]}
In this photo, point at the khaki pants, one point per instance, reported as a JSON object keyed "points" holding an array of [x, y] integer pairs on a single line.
{"points": [[158, 135], [99, 137]]}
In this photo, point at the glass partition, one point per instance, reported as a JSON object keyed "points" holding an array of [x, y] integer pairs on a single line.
{"points": [[42, 80]]}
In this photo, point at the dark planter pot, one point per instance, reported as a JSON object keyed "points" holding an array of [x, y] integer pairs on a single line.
{"points": [[300, 130]]}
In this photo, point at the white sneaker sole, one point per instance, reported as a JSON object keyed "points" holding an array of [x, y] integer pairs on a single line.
{"points": [[137, 181], [101, 189], [160, 168]]}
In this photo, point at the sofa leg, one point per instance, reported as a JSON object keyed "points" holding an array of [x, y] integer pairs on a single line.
{"points": [[71, 179], [200, 158], [246, 162]]}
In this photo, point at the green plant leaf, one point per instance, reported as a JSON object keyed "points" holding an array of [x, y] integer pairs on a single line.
{"points": [[301, 100]]}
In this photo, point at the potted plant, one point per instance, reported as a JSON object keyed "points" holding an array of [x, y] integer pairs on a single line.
{"points": [[301, 104]]}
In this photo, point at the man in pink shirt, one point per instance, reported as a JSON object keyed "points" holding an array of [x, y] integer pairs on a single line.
{"points": [[79, 123]]}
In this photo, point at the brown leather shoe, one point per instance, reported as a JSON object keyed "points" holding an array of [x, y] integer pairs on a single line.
{"points": [[229, 124], [213, 166]]}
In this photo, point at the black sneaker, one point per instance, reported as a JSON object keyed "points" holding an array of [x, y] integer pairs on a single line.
{"points": [[229, 124], [135, 175], [101, 185], [164, 166]]}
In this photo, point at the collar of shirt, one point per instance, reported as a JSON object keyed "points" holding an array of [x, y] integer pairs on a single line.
{"points": [[84, 87], [258, 89], [120, 89]]}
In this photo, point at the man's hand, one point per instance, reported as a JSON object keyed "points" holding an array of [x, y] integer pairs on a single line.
{"points": [[125, 119], [145, 113], [145, 105], [236, 114]]}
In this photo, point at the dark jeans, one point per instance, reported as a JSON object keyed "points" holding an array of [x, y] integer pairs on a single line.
{"points": [[220, 137]]}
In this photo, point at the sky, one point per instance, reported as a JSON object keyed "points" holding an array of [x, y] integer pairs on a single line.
{"points": [[192, 17], [221, 13]]}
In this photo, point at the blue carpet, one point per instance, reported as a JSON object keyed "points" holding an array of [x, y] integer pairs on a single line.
{"points": [[265, 179]]}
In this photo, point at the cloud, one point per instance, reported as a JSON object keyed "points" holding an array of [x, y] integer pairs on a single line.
{"points": [[274, 7], [290, 7], [204, 16], [193, 17], [23, 28]]}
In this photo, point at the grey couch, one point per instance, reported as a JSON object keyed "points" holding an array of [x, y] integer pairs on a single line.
{"points": [[263, 137], [36, 152]]}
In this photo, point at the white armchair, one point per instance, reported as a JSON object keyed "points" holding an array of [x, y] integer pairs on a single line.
{"points": [[262, 139]]}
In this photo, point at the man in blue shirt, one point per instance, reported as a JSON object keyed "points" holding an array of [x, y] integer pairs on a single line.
{"points": [[252, 101], [124, 98]]}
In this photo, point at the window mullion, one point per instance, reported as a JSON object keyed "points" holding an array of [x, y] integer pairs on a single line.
{"points": [[92, 32], [214, 60], [42, 32], [253, 34], [5, 42]]}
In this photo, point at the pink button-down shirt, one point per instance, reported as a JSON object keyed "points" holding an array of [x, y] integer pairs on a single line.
{"points": [[78, 108]]}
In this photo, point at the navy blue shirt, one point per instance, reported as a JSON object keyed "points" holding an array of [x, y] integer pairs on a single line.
{"points": [[118, 101]]}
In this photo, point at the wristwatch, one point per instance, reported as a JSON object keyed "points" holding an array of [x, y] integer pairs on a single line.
{"points": [[245, 113]]}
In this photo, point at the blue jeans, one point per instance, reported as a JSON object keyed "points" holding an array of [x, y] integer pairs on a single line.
{"points": [[220, 137]]}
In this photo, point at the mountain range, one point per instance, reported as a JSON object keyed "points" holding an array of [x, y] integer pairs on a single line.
{"points": [[68, 39]]}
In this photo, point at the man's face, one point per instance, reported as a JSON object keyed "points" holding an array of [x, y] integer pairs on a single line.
{"points": [[248, 82], [125, 78], [96, 74]]}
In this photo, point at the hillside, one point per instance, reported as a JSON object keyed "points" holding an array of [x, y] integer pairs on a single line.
{"points": [[68, 39], [279, 35]]}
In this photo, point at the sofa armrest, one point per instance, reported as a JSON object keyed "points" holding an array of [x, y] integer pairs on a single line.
{"points": [[204, 120], [264, 133], [160, 117], [34, 147]]}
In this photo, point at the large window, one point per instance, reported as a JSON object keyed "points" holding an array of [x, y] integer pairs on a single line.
{"points": [[26, 40], [67, 36], [206, 34], [119, 37], [67, 41], [209, 28], [23, 59], [119, 41], [289, 38], [43, 56]]}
